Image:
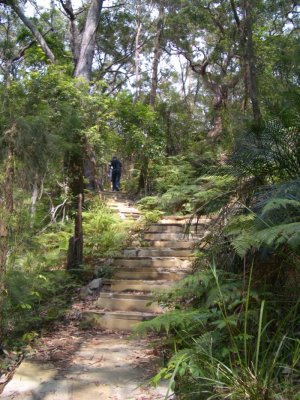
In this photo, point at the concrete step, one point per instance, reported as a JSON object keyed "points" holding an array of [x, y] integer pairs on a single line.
{"points": [[174, 235], [122, 285], [123, 207], [125, 215], [126, 212], [159, 262], [168, 227], [147, 273], [184, 219], [176, 228], [115, 320], [173, 244], [157, 252], [163, 236], [127, 302]]}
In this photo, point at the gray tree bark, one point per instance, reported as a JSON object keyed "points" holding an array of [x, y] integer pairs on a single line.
{"points": [[84, 64]]}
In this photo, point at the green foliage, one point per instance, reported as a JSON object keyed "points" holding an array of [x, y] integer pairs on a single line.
{"points": [[230, 345], [148, 203], [272, 152], [139, 129], [105, 233], [182, 190], [169, 321], [275, 225], [104, 271], [33, 298], [229, 342], [38, 289], [151, 217], [174, 171]]}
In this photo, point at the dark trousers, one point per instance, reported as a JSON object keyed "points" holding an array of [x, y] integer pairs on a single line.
{"points": [[115, 178]]}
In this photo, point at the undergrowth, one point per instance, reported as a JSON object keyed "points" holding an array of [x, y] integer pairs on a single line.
{"points": [[232, 327], [38, 289]]}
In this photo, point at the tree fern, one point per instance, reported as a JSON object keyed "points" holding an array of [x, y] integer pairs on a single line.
{"points": [[278, 224], [272, 152]]}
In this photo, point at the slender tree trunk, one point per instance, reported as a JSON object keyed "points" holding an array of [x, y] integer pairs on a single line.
{"points": [[143, 178], [137, 57], [250, 60], [157, 55], [76, 184], [83, 69], [34, 196], [75, 251]]}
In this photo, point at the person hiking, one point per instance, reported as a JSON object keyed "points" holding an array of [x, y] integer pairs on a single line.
{"points": [[116, 170]]}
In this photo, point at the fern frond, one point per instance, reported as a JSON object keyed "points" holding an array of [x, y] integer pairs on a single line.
{"points": [[276, 204], [281, 234], [174, 319]]}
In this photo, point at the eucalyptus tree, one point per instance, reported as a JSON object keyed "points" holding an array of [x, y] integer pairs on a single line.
{"points": [[204, 33]]}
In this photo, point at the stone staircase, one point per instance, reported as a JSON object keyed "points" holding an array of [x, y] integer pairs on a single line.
{"points": [[165, 257]]}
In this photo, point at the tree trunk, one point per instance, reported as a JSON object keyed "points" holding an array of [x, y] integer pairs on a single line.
{"points": [[250, 57], [84, 64], [83, 69], [245, 27], [75, 250], [143, 178], [157, 55], [137, 55]]}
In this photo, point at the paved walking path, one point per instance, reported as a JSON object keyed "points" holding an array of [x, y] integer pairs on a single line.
{"points": [[105, 362], [103, 366]]}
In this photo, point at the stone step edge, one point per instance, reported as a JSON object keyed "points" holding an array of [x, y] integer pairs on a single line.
{"points": [[154, 258], [125, 296], [156, 248], [183, 244], [150, 282], [124, 268], [176, 224], [181, 255], [175, 235], [133, 315]]}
